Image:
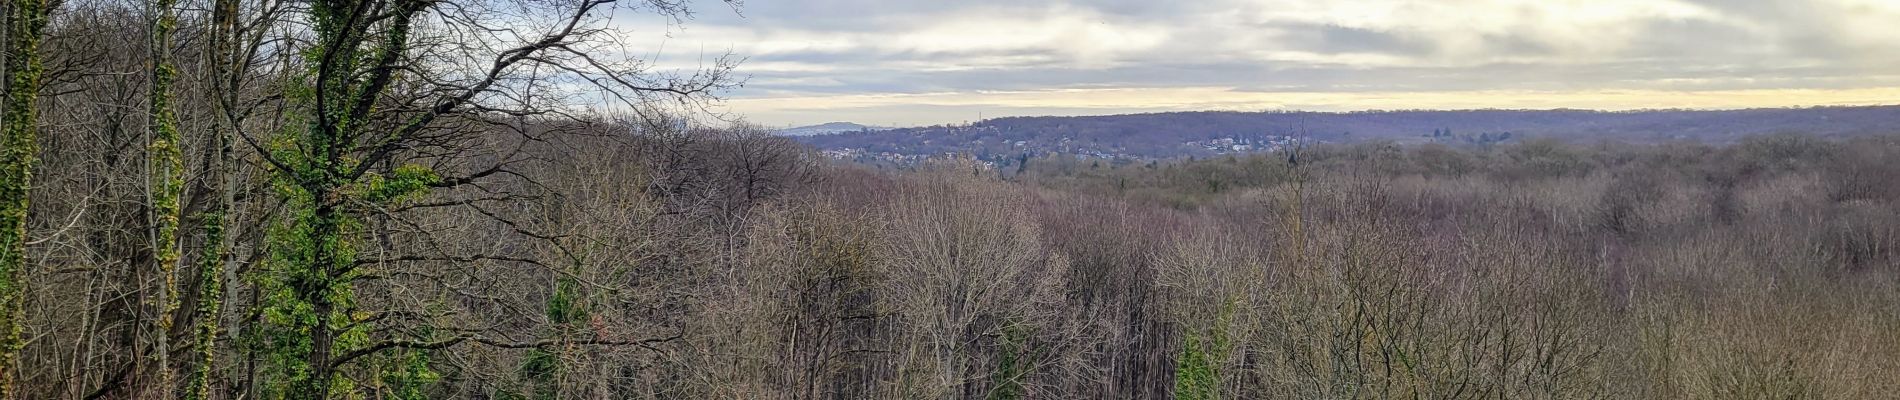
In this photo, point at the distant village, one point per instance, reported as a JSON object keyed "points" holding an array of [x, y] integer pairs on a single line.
{"points": [[1064, 146]]}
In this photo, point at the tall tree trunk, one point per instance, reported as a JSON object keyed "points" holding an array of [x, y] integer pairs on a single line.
{"points": [[25, 19], [219, 165], [320, 287], [167, 182]]}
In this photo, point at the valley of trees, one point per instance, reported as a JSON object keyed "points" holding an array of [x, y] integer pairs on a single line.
{"points": [[410, 199], [1162, 135]]}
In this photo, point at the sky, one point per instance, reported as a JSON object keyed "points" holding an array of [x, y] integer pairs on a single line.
{"points": [[925, 62]]}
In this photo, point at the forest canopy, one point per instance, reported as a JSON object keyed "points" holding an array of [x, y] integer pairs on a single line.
{"points": [[410, 199]]}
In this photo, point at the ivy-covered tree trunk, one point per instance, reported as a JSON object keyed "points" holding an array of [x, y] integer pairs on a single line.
{"points": [[309, 304], [167, 182], [25, 19], [210, 302], [219, 163], [342, 162]]}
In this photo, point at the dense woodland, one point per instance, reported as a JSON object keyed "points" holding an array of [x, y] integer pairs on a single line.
{"points": [[405, 199]]}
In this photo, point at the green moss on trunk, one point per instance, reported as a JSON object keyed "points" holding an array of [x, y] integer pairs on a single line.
{"points": [[18, 149], [167, 182]]}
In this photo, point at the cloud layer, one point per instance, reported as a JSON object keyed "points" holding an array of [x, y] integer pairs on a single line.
{"points": [[908, 62]]}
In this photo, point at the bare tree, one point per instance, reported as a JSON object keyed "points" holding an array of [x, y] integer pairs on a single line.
{"points": [[974, 277]]}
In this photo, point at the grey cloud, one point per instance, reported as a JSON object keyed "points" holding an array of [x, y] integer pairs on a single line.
{"points": [[1805, 29], [1754, 44], [1332, 38], [1320, 78], [885, 15]]}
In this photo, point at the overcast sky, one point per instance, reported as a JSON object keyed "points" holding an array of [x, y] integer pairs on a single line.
{"points": [[919, 62]]}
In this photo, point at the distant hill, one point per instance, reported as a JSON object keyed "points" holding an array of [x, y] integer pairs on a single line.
{"points": [[825, 129], [1202, 133]]}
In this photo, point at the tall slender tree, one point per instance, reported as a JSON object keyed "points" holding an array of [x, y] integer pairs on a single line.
{"points": [[221, 67], [166, 182], [25, 19]]}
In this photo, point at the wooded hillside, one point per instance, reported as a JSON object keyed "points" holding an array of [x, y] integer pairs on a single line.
{"points": [[410, 199]]}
